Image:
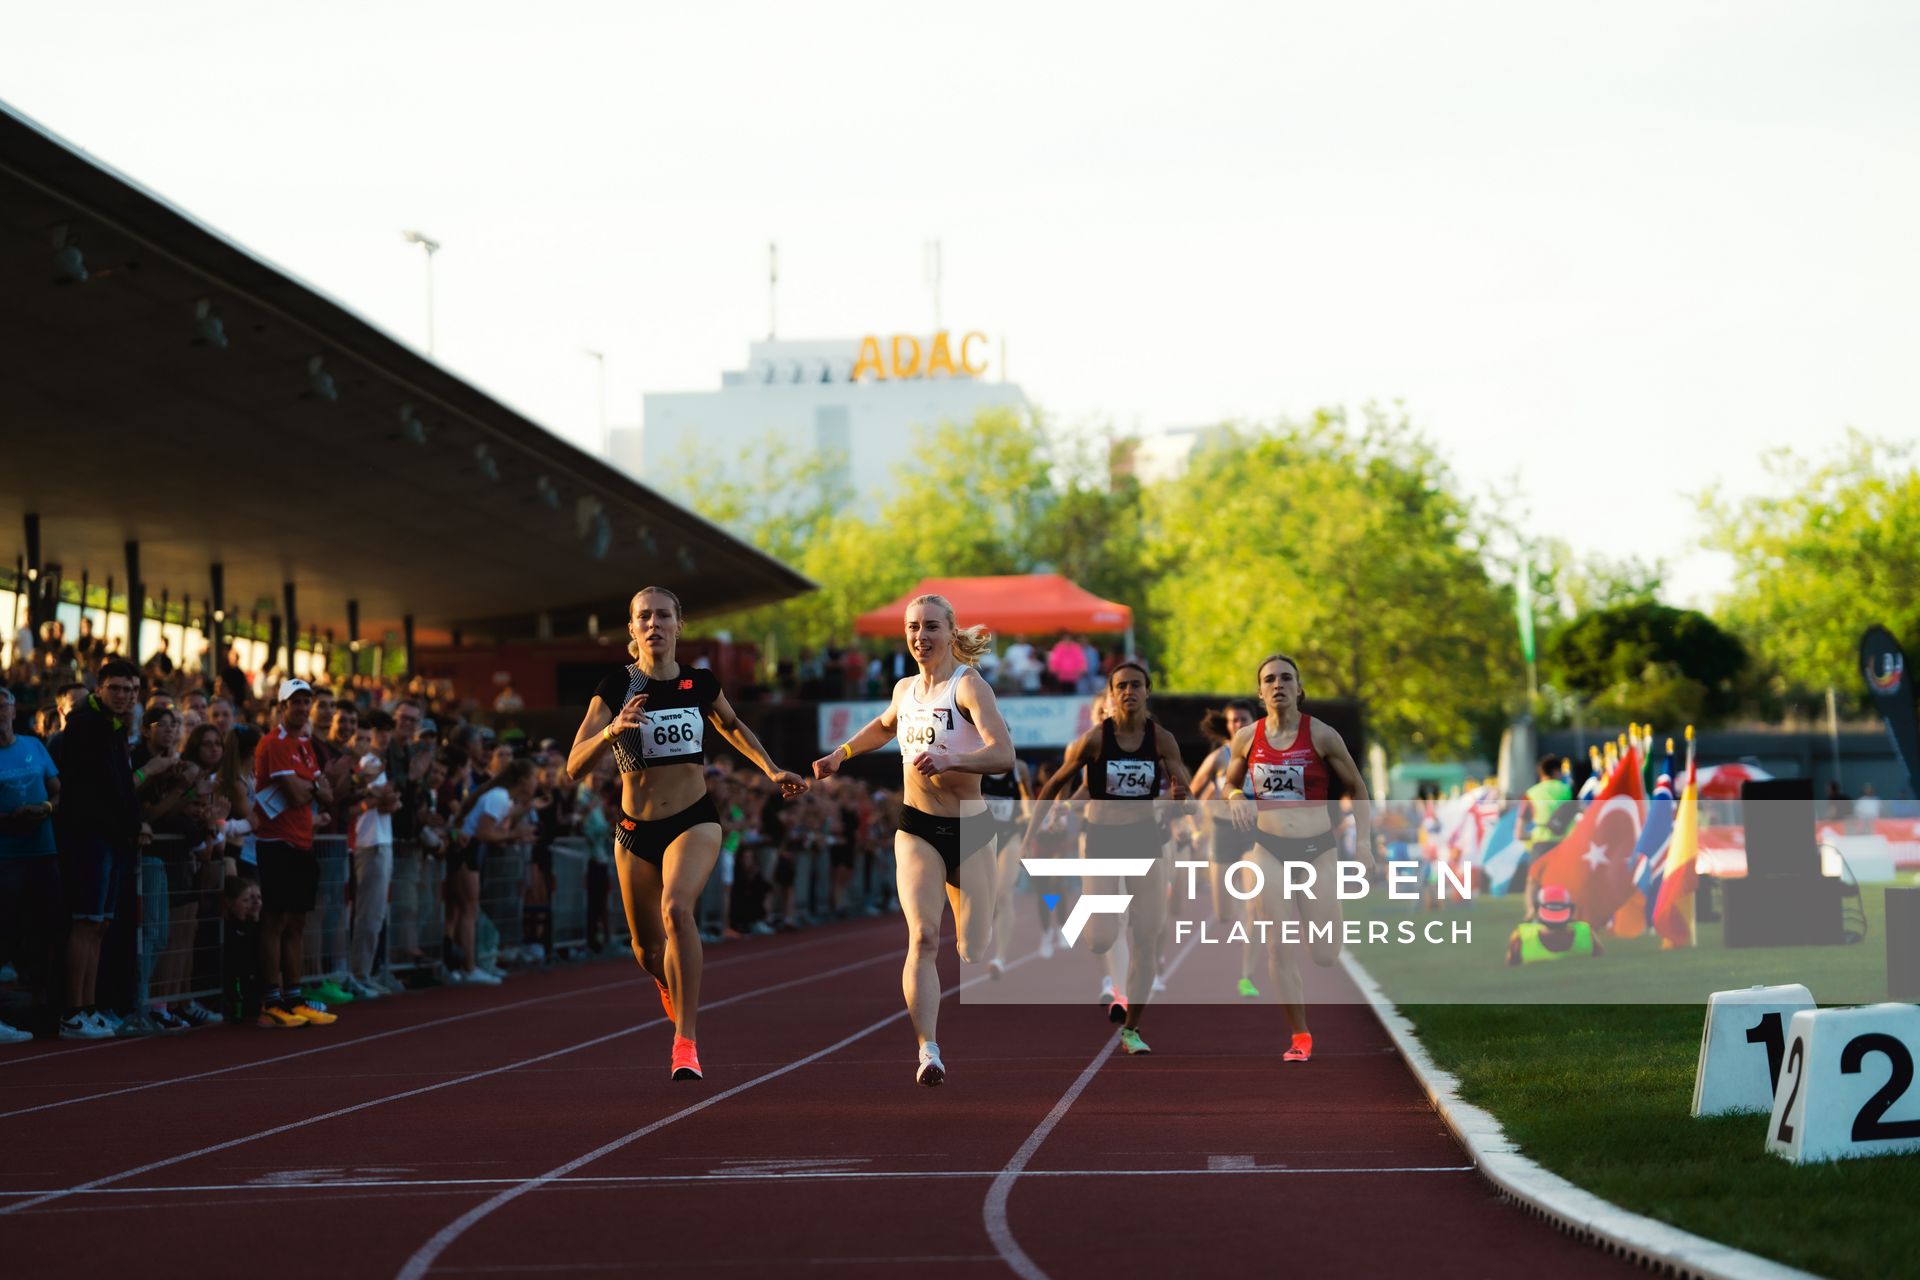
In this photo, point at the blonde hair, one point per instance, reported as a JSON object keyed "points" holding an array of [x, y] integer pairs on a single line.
{"points": [[679, 614], [970, 644]]}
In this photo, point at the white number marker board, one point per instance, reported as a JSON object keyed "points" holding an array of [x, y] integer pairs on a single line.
{"points": [[1846, 1086], [1742, 1046]]}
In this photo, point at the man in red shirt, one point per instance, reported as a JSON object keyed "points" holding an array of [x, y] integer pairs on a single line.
{"points": [[287, 781]]}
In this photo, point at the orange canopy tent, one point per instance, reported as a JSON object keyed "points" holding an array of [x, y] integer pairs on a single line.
{"points": [[1024, 604]]}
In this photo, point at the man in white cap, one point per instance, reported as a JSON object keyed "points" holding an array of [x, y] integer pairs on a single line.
{"points": [[287, 780]]}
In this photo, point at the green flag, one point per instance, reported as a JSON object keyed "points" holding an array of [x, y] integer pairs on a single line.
{"points": [[1523, 609]]}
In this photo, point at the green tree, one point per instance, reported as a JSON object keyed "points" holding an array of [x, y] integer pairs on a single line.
{"points": [[1647, 662], [1348, 548], [1834, 550], [979, 498]]}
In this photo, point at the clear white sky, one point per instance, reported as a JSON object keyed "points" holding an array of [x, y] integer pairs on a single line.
{"points": [[1616, 249]]}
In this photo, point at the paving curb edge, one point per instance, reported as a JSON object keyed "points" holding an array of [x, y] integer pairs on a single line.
{"points": [[1643, 1240]]}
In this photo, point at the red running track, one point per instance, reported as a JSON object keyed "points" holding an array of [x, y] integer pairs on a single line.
{"points": [[532, 1130]]}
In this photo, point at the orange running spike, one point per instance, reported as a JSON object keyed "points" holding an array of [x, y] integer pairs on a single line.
{"points": [[1301, 1049], [686, 1060], [666, 998]]}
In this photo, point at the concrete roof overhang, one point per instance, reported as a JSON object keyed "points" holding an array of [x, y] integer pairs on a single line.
{"points": [[408, 489]]}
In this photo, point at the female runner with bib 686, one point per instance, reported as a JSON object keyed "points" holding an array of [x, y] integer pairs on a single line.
{"points": [[951, 735], [652, 713]]}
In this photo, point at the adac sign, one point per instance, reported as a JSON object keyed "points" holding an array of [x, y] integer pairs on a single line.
{"points": [[905, 355]]}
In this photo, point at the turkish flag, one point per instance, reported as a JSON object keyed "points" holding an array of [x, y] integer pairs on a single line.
{"points": [[1595, 862]]}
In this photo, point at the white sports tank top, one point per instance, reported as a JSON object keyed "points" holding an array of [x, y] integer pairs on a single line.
{"points": [[924, 725]]}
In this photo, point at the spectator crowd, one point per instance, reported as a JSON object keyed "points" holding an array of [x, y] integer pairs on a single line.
{"points": [[1069, 664], [177, 850]]}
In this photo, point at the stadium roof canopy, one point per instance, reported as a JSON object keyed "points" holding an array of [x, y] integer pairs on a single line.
{"points": [[1012, 604], [166, 386]]}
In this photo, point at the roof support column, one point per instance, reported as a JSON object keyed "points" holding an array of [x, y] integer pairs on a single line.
{"points": [[136, 602], [293, 623], [216, 628], [33, 573]]}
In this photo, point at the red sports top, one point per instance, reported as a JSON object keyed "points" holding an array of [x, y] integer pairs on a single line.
{"points": [[1294, 774], [281, 755]]}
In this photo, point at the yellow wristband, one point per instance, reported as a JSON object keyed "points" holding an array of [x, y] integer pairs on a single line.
{"points": [[846, 749], [606, 734]]}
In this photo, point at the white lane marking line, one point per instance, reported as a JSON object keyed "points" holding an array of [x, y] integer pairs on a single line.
{"points": [[706, 1264], [431, 1088], [64, 1053], [994, 1209], [397, 1031], [424, 1257], [590, 1181]]}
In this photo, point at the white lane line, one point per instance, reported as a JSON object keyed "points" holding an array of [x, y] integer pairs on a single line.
{"points": [[409, 1029], [65, 1053], [424, 1257], [431, 1088], [590, 1181], [714, 1264], [994, 1210]]}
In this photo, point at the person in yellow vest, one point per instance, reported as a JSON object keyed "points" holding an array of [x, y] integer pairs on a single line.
{"points": [[1555, 935], [1547, 813]]}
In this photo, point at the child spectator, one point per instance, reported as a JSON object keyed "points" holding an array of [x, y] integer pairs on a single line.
{"points": [[241, 983]]}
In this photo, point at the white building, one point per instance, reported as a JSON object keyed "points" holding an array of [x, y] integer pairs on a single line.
{"points": [[858, 400]]}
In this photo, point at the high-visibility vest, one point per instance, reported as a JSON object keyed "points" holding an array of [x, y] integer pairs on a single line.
{"points": [[1546, 799], [1531, 948]]}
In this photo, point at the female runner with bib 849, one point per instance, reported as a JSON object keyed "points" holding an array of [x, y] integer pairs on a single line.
{"points": [[951, 735], [1291, 756], [667, 839]]}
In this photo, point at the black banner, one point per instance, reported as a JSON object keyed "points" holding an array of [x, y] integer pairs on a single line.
{"points": [[1885, 669]]}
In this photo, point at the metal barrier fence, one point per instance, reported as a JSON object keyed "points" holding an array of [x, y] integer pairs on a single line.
{"points": [[180, 936], [180, 932]]}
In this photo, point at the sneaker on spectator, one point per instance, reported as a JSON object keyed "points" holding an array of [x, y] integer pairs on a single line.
{"points": [[81, 1026], [456, 977], [168, 1021], [327, 992], [8, 974], [762, 927], [361, 989], [13, 1035], [274, 1016], [196, 1014], [108, 1019], [388, 984], [137, 1024], [498, 974], [484, 978], [310, 1012]]}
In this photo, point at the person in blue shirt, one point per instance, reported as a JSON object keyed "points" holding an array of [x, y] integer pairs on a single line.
{"points": [[29, 876]]}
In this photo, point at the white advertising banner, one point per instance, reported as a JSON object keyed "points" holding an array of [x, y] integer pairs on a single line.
{"points": [[1033, 722]]}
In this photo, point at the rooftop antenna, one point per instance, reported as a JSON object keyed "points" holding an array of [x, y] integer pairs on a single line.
{"points": [[773, 287], [931, 262]]}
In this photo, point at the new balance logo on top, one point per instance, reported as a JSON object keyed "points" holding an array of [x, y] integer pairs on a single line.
{"points": [[1089, 904]]}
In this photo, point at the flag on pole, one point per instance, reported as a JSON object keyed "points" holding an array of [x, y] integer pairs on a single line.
{"points": [[1502, 856], [1595, 862], [1523, 608], [1656, 840], [1673, 911]]}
